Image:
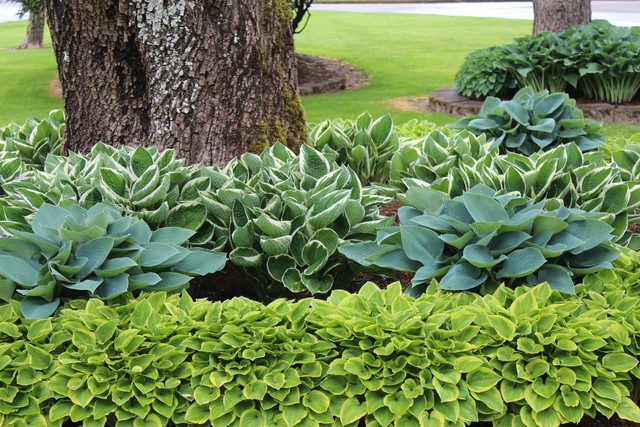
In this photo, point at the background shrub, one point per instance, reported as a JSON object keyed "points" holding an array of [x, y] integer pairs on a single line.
{"points": [[599, 60]]}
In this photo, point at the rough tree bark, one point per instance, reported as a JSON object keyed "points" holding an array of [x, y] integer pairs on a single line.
{"points": [[208, 78], [35, 30], [558, 15]]}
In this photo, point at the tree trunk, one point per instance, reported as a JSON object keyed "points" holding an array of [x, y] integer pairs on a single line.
{"points": [[35, 30], [558, 15], [208, 78]]}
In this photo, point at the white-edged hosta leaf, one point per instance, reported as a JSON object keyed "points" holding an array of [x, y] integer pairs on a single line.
{"points": [[189, 215]]}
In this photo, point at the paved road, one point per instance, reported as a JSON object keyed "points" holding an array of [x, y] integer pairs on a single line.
{"points": [[617, 12]]}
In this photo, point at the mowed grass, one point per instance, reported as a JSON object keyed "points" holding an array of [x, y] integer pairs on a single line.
{"points": [[25, 76], [404, 55]]}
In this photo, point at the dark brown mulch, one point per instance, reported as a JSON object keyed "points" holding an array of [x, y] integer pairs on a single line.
{"points": [[634, 228], [220, 286]]}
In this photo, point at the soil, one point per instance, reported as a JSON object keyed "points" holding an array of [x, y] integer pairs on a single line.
{"points": [[634, 228], [220, 286]]}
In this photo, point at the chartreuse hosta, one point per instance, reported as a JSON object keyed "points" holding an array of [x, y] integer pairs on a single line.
{"points": [[282, 216], [480, 237], [72, 251], [152, 185], [364, 144], [562, 176]]}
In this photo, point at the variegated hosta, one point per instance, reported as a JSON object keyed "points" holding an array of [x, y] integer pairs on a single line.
{"points": [[147, 183], [480, 237], [365, 145], [282, 217], [97, 252], [35, 139], [435, 155], [562, 176]]}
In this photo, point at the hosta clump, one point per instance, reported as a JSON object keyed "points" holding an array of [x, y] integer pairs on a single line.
{"points": [[365, 145], [605, 58], [436, 156], [480, 237], [485, 72], [35, 139], [153, 185], [282, 216], [572, 178], [532, 122], [96, 252]]}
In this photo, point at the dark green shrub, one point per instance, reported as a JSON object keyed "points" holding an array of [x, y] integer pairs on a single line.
{"points": [[599, 59], [532, 122], [485, 72], [97, 252], [482, 238]]}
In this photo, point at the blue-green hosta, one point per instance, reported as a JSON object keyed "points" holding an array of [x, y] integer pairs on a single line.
{"points": [[71, 251], [35, 139], [480, 237], [365, 145], [574, 179], [282, 216], [533, 121], [147, 183]]}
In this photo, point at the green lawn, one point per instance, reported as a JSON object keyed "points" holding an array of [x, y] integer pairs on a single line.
{"points": [[405, 55]]}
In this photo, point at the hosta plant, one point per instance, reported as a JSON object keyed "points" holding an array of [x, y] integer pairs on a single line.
{"points": [[436, 156], [485, 72], [98, 252], [282, 216], [528, 356], [480, 237], [35, 139], [153, 185], [532, 122], [365, 145], [564, 174]]}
